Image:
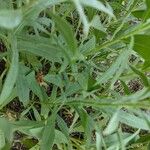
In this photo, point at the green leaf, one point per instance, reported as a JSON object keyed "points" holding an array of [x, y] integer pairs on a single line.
{"points": [[36, 114], [142, 76], [66, 31], [63, 126], [54, 79], [141, 45], [88, 45], [22, 86], [125, 87], [7, 129], [96, 23], [42, 4], [10, 19], [98, 141], [2, 139], [88, 125], [116, 68], [143, 13], [34, 86], [133, 121], [49, 133], [72, 88], [12, 73], [98, 5], [41, 47], [60, 138], [112, 125]]}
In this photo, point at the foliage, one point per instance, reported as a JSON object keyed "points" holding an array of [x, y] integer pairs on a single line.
{"points": [[69, 64]]}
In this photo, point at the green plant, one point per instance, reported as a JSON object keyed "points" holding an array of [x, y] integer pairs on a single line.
{"points": [[69, 64]]}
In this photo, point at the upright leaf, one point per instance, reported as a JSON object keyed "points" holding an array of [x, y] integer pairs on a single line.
{"points": [[65, 29], [22, 86], [12, 73], [49, 132]]}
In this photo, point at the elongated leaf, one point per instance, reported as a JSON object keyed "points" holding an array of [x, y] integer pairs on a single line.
{"points": [[96, 23], [112, 125], [63, 126], [125, 87], [6, 129], [98, 5], [116, 67], [98, 141], [142, 76], [34, 86], [66, 31], [88, 46], [2, 139], [60, 138], [88, 125], [12, 74], [54, 79], [133, 121], [42, 4], [22, 87], [40, 47], [83, 17], [49, 133], [10, 18]]}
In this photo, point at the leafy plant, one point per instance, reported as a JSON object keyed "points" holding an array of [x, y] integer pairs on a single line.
{"points": [[66, 74]]}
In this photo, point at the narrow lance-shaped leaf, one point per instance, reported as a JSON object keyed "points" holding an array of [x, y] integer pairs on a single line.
{"points": [[142, 76], [116, 66], [83, 17], [112, 125], [22, 86], [65, 29], [49, 132], [12, 73], [133, 121], [39, 46]]}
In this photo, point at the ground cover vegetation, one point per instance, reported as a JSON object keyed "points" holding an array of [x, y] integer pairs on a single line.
{"points": [[74, 74]]}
